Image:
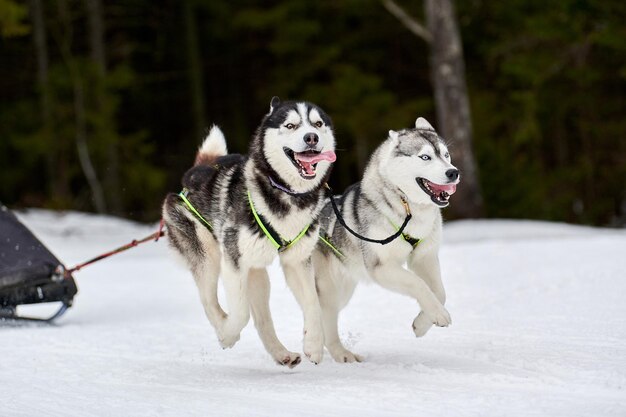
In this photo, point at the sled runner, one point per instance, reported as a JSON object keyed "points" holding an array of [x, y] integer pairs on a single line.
{"points": [[29, 272]]}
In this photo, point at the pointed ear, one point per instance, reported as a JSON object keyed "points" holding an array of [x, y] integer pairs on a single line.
{"points": [[388, 148], [275, 102], [423, 124]]}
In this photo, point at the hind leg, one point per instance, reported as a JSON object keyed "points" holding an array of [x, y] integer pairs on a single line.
{"points": [[206, 276], [330, 319], [334, 291], [259, 294], [201, 253], [236, 287]]}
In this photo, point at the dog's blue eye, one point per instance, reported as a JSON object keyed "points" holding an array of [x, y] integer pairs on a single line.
{"points": [[290, 126], [425, 157], [447, 155]]}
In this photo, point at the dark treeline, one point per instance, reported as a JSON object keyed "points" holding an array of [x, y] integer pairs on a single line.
{"points": [[103, 104]]}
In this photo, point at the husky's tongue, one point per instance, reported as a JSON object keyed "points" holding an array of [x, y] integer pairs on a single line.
{"points": [[313, 158], [449, 188], [307, 159]]}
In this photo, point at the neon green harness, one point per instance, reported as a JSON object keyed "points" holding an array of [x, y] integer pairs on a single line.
{"points": [[183, 196], [277, 240], [327, 241]]}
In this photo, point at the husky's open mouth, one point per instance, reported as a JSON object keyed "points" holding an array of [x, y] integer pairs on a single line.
{"points": [[306, 162], [439, 194]]}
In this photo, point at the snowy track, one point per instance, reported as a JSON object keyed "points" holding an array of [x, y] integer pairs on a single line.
{"points": [[539, 329]]}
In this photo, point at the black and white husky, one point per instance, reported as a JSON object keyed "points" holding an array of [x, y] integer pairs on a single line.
{"points": [[412, 166], [237, 213]]}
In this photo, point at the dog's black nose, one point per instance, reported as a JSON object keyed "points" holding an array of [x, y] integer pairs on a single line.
{"points": [[311, 139], [452, 174]]}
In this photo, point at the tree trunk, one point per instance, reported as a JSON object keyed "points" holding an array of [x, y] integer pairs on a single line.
{"points": [[98, 56], [452, 104], [196, 87], [65, 44], [58, 180], [83, 149]]}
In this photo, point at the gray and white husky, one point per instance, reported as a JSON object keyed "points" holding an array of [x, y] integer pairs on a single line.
{"points": [[237, 213], [412, 166]]}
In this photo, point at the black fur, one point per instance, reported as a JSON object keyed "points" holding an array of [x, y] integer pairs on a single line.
{"points": [[184, 229], [224, 178], [280, 207], [231, 247], [274, 120]]}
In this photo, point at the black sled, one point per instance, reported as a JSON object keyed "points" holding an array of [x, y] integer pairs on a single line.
{"points": [[29, 272]]}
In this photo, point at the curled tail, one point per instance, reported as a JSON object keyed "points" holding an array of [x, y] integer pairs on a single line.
{"points": [[213, 147]]}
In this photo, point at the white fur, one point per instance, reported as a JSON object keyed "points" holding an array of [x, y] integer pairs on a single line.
{"points": [[277, 139], [423, 124], [298, 274], [386, 180], [247, 285], [402, 171], [214, 143]]}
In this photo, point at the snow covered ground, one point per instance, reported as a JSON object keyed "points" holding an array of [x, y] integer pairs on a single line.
{"points": [[539, 329]]}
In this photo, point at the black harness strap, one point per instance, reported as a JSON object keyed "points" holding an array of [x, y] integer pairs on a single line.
{"points": [[411, 240], [367, 239]]}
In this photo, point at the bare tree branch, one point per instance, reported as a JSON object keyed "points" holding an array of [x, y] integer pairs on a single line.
{"points": [[408, 21]]}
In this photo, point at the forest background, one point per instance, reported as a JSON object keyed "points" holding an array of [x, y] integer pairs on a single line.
{"points": [[103, 104]]}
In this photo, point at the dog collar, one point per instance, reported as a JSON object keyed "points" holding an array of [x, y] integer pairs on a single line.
{"points": [[282, 188], [277, 240]]}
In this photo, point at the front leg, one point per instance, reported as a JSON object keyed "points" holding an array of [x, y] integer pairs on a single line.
{"points": [[428, 268], [398, 279], [301, 281], [259, 294]]}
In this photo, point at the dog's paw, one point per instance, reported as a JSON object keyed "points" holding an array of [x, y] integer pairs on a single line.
{"points": [[314, 345], [439, 316], [343, 355], [314, 349], [286, 358], [227, 341], [315, 356], [421, 324]]}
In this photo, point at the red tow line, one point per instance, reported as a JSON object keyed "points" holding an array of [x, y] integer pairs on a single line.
{"points": [[154, 236]]}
